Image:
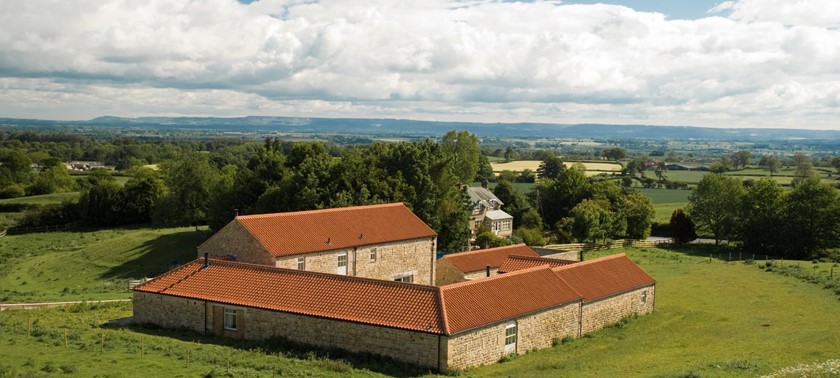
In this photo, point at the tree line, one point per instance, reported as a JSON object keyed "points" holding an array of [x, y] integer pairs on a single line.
{"points": [[762, 217]]}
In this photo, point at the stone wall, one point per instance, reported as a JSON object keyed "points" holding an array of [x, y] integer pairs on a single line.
{"points": [[414, 347], [169, 312], [480, 274], [557, 254], [392, 259], [600, 313], [486, 345], [446, 273], [235, 239]]}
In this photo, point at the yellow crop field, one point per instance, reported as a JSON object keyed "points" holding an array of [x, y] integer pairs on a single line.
{"points": [[521, 165]]}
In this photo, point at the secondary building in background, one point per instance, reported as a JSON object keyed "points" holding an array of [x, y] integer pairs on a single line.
{"points": [[449, 327], [386, 242], [465, 266], [487, 212]]}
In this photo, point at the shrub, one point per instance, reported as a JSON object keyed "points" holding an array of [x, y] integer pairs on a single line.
{"points": [[68, 368], [12, 191], [508, 357]]}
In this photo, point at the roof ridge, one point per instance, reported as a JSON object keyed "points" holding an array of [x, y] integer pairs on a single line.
{"points": [[168, 273], [321, 211], [590, 262], [477, 251], [579, 294], [496, 277]]}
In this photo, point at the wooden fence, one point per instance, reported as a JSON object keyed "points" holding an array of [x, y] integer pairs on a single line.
{"points": [[3, 233], [585, 247], [26, 230]]}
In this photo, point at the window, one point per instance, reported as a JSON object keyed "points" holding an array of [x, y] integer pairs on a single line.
{"points": [[644, 297], [342, 263], [301, 263], [230, 319], [510, 338], [373, 254], [408, 278]]}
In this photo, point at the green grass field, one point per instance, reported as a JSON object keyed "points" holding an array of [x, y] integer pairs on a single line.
{"points": [[712, 319], [44, 199], [62, 266]]}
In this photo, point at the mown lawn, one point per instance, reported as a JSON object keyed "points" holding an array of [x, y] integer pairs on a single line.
{"points": [[63, 266], [43, 199]]}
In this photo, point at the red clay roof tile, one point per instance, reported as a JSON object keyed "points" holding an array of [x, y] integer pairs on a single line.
{"points": [[384, 303], [473, 261], [472, 304], [603, 277], [284, 234], [515, 262]]}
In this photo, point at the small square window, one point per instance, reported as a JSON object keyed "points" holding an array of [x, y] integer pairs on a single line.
{"points": [[373, 254], [230, 319], [644, 297], [301, 263]]}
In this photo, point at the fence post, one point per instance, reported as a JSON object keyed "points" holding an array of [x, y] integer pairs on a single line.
{"points": [[65, 337]]}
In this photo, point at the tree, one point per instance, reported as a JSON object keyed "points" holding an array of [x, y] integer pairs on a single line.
{"points": [[515, 202], [530, 236], [804, 170], [55, 179], [682, 227], [616, 153], [15, 167], [551, 166], [770, 163], [509, 154], [835, 162], [638, 211], [462, 148], [485, 170], [484, 238], [741, 158], [555, 198], [761, 217], [812, 224], [189, 179], [635, 166], [592, 221], [713, 205]]}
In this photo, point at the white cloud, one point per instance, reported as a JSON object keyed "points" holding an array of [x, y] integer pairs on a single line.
{"points": [[766, 61]]}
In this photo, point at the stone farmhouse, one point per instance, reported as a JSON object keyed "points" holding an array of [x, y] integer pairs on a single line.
{"points": [[385, 242], [361, 279], [470, 265], [442, 327], [487, 212]]}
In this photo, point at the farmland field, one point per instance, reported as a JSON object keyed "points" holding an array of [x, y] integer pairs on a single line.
{"points": [[711, 319], [44, 199], [592, 168], [62, 266]]}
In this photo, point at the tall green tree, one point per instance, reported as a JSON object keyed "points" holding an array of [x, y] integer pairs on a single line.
{"points": [[713, 205], [551, 166], [804, 170], [761, 217], [638, 210], [682, 227], [515, 203], [462, 148], [812, 224], [189, 179], [593, 221], [555, 198]]}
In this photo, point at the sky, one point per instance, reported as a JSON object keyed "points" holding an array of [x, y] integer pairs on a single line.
{"points": [[738, 63]]}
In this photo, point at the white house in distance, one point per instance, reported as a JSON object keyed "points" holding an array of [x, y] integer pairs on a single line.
{"points": [[487, 211]]}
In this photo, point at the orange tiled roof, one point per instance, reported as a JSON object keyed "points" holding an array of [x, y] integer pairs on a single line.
{"points": [[378, 302], [605, 276], [438, 310], [515, 262], [473, 261], [489, 300], [284, 234]]}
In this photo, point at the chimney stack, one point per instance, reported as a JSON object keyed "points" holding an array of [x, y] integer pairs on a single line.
{"points": [[207, 261], [487, 269]]}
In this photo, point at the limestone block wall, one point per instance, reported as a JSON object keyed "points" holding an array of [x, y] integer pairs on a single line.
{"points": [[486, 345], [446, 273], [603, 312], [234, 239], [168, 312], [413, 347], [403, 257], [557, 254]]}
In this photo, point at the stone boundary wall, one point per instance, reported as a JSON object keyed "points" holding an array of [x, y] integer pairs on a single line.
{"points": [[169, 312], [603, 312]]}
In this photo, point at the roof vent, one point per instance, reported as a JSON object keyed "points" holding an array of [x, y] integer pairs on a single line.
{"points": [[329, 242], [362, 236]]}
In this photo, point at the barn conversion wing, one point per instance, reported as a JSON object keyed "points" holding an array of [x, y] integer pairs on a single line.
{"points": [[461, 266], [516, 262]]}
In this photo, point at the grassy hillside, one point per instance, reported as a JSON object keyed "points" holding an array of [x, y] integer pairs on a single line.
{"points": [[712, 320], [60, 266]]}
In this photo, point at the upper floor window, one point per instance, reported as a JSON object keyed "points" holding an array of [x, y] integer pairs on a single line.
{"points": [[301, 263], [373, 254]]}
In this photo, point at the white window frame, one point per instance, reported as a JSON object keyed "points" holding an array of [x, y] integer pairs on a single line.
{"points": [[230, 319], [408, 279], [373, 255], [341, 258], [301, 263], [511, 336]]}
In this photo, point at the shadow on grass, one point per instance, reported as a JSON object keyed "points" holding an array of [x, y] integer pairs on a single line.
{"points": [[333, 359], [159, 255]]}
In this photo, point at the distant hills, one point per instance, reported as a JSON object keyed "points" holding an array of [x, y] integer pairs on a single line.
{"points": [[402, 127]]}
